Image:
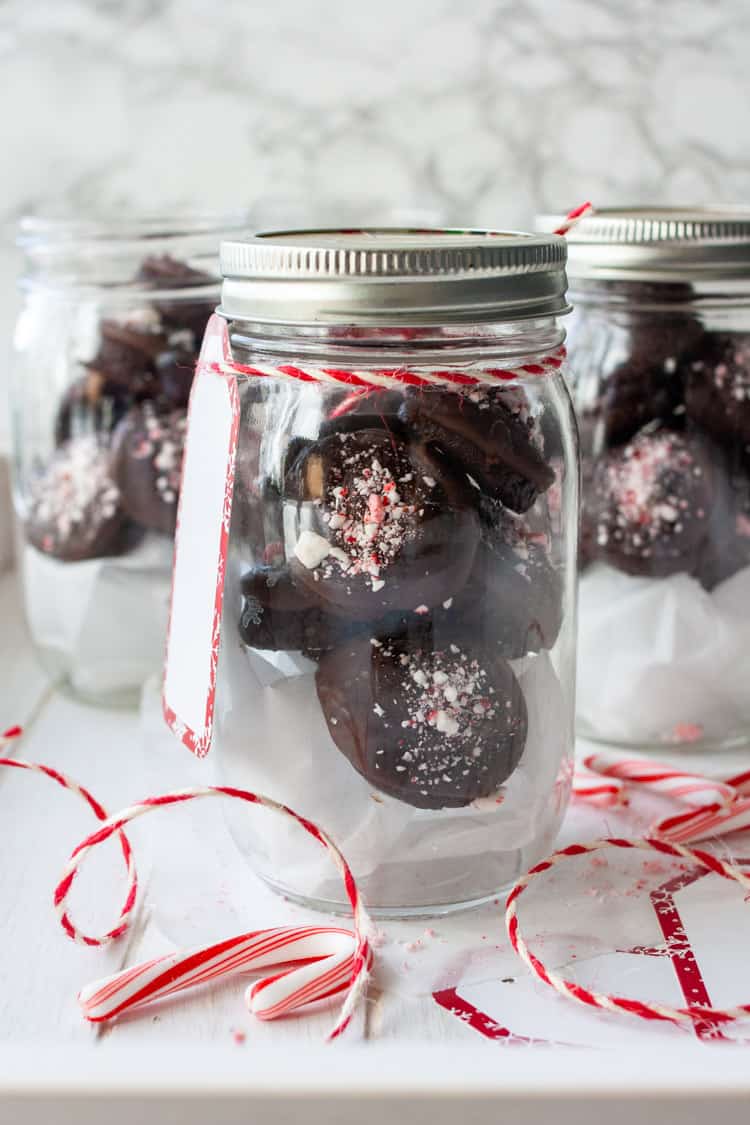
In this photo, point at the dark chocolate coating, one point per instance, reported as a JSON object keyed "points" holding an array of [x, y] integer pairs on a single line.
{"points": [[174, 372], [513, 600], [280, 616], [127, 357], [179, 314], [484, 436], [718, 388], [91, 405], [434, 729], [649, 504], [400, 526], [74, 509], [147, 449]]}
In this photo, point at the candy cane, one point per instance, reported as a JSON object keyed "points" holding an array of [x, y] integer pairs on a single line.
{"points": [[327, 955], [332, 960], [664, 780], [700, 824], [362, 952], [607, 1001], [596, 790]]}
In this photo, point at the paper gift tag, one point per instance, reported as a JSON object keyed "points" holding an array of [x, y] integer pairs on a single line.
{"points": [[204, 515]]}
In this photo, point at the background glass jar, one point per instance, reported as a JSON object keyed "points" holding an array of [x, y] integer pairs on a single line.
{"points": [[660, 353], [398, 643], [104, 351]]}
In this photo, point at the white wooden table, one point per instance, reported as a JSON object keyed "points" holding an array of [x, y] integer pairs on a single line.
{"points": [[447, 1020]]}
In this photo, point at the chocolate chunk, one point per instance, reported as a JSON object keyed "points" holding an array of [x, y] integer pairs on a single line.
{"points": [[147, 449], [484, 436], [377, 524], [650, 502], [434, 729], [74, 510]]}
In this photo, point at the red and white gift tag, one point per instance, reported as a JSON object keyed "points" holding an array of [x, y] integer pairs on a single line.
{"points": [[203, 521]]}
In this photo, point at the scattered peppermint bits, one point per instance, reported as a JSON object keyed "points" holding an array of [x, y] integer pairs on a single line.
{"points": [[451, 708], [650, 493], [368, 517], [76, 496], [162, 442]]}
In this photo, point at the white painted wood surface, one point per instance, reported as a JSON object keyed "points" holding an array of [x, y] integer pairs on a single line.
{"points": [[412, 1058]]}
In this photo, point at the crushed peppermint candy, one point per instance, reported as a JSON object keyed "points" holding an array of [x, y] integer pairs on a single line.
{"points": [[368, 516], [162, 442], [454, 716], [648, 486], [75, 493]]}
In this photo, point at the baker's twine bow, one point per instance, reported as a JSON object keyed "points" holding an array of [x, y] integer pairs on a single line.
{"points": [[328, 960]]}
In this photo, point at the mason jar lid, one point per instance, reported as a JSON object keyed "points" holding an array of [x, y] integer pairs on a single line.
{"points": [[689, 244], [389, 276]]}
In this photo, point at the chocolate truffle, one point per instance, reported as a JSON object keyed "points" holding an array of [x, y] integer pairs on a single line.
{"points": [[718, 388], [128, 350], [486, 434], [74, 509], [147, 451], [650, 502], [280, 616], [379, 524], [434, 729]]}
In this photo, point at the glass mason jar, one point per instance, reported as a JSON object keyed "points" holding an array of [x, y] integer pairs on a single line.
{"points": [[660, 352], [398, 641], [104, 351]]}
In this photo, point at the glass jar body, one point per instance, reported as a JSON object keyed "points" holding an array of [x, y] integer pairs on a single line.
{"points": [[104, 351], [662, 389], [398, 644]]}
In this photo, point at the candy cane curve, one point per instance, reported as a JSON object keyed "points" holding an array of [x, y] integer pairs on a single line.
{"points": [[692, 789], [362, 951], [608, 1002]]}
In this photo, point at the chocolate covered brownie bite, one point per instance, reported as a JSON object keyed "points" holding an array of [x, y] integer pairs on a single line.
{"points": [[380, 524], [432, 728]]}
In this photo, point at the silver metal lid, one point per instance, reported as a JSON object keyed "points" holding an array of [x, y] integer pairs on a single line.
{"points": [[658, 244], [391, 276]]}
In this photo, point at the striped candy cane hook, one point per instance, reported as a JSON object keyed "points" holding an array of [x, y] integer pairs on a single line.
{"points": [[354, 965]]}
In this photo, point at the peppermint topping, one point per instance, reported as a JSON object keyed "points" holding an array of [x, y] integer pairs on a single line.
{"points": [[454, 716], [162, 442], [733, 374], [75, 492], [368, 515], [649, 485]]}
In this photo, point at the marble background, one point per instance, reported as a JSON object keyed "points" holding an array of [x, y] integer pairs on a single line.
{"points": [[476, 112]]}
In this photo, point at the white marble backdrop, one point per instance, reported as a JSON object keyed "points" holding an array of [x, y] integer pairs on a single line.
{"points": [[480, 111]]}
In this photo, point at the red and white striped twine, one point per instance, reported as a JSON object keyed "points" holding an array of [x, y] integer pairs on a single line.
{"points": [[329, 960], [379, 378], [606, 1001]]}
